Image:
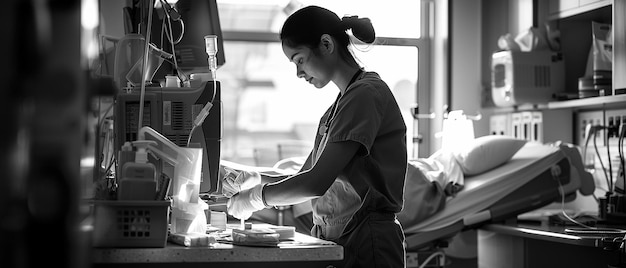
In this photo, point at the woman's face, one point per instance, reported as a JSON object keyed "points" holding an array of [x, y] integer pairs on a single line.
{"points": [[313, 67]]}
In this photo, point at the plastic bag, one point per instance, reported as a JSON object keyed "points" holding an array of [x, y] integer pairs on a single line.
{"points": [[532, 39], [187, 209], [602, 46]]}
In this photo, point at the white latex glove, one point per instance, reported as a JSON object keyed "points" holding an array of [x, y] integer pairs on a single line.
{"points": [[244, 203], [237, 181]]}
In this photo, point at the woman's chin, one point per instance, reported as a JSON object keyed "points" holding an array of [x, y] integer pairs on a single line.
{"points": [[319, 85]]}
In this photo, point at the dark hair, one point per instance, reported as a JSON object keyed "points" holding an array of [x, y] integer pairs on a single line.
{"points": [[305, 27]]}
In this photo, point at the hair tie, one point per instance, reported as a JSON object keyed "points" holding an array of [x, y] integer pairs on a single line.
{"points": [[349, 21], [361, 28]]}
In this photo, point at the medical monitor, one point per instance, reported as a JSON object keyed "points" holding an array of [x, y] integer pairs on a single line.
{"points": [[200, 18], [170, 111]]}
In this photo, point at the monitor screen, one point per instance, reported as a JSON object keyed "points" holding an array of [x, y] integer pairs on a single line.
{"points": [[199, 18]]}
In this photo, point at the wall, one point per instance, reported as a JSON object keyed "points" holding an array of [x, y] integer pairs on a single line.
{"points": [[466, 58], [439, 73]]}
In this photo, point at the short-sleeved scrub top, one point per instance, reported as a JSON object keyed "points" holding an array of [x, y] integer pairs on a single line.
{"points": [[373, 181]]}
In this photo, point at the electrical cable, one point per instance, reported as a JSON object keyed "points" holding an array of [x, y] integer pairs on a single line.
{"points": [[620, 149], [180, 74], [108, 169], [588, 129], [623, 247], [608, 155], [595, 145], [562, 192], [432, 256], [169, 34]]}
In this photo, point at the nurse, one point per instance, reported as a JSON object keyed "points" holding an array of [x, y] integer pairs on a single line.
{"points": [[355, 172]]}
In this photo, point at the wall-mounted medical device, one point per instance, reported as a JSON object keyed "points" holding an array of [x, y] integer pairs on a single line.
{"points": [[171, 112], [526, 77]]}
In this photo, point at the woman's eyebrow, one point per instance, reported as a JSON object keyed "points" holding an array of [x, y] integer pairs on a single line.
{"points": [[293, 56]]}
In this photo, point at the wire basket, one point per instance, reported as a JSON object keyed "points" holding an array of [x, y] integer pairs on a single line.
{"points": [[130, 223]]}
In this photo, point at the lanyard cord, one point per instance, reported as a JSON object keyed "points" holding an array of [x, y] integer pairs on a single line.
{"points": [[336, 103]]}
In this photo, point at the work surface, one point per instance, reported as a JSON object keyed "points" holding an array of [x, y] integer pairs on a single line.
{"points": [[303, 250], [558, 233], [538, 245]]}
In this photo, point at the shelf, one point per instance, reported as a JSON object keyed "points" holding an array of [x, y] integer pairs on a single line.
{"points": [[517, 108], [590, 103], [580, 10], [607, 102]]}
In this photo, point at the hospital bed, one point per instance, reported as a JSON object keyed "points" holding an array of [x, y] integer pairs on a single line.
{"points": [[535, 176], [532, 177]]}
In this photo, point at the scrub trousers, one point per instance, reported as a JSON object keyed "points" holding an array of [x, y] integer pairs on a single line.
{"points": [[373, 239]]}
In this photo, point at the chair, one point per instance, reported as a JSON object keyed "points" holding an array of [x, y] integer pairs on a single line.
{"points": [[265, 156], [291, 148]]}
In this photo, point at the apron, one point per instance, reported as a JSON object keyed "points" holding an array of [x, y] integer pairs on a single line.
{"points": [[333, 210], [369, 238]]}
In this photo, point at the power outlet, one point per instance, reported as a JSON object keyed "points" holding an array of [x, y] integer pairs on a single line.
{"points": [[585, 118], [600, 159], [613, 118]]}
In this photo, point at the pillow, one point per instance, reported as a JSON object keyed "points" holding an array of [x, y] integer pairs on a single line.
{"points": [[487, 152]]}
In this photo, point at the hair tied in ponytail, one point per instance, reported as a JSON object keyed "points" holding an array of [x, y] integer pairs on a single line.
{"points": [[349, 20], [361, 28]]}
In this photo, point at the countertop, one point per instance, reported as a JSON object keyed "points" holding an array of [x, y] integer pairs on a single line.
{"points": [[302, 248]]}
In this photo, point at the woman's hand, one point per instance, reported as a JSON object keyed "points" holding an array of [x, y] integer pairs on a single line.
{"points": [[234, 181], [244, 203]]}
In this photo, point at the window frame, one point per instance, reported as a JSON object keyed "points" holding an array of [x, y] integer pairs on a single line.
{"points": [[422, 44]]}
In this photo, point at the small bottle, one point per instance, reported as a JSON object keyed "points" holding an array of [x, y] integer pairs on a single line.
{"points": [[125, 155], [139, 177]]}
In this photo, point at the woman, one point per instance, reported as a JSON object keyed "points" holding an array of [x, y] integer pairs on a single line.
{"points": [[357, 167]]}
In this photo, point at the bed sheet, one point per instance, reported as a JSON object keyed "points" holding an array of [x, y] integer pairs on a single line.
{"points": [[481, 191]]}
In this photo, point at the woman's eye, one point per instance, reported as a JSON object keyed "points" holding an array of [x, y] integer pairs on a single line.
{"points": [[300, 61]]}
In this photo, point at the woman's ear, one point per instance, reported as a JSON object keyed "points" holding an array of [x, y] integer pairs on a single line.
{"points": [[327, 44]]}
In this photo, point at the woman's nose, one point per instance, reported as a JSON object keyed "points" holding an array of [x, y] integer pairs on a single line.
{"points": [[299, 72]]}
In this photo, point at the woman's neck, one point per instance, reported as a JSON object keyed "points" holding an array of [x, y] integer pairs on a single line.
{"points": [[345, 74]]}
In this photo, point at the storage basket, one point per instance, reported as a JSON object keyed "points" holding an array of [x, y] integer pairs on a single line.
{"points": [[130, 223]]}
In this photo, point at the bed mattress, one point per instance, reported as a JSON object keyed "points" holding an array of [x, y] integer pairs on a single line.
{"points": [[533, 178]]}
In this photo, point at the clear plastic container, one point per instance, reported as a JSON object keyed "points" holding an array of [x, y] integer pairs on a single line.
{"points": [[139, 182]]}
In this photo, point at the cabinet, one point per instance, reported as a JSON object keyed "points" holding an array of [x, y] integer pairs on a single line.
{"points": [[564, 8], [520, 245], [573, 19]]}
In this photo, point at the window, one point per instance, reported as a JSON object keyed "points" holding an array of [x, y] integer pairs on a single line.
{"points": [[266, 106]]}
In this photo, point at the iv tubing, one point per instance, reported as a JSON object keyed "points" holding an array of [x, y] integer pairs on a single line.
{"points": [[205, 111], [145, 64]]}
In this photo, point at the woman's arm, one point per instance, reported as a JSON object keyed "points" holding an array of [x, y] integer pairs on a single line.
{"points": [[274, 177], [314, 182]]}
